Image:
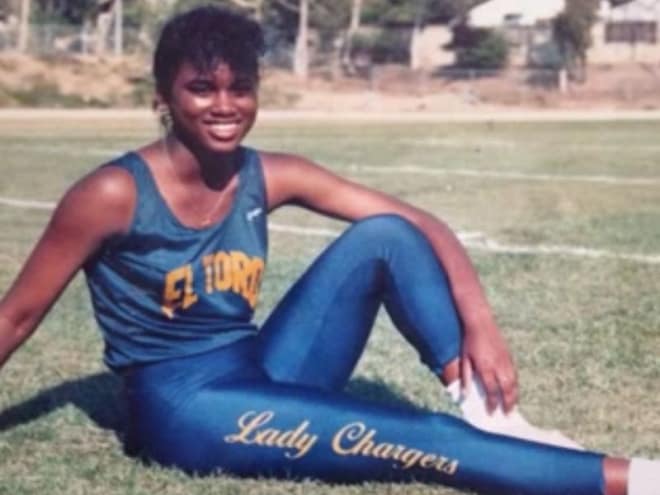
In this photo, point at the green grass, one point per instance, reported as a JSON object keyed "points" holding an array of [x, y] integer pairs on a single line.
{"points": [[585, 332]]}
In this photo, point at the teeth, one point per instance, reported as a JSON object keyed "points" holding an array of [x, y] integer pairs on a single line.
{"points": [[224, 129]]}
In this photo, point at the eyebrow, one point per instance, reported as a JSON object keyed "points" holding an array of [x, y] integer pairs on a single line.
{"points": [[244, 79]]}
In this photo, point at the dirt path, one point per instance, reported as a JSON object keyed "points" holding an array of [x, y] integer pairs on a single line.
{"points": [[273, 116]]}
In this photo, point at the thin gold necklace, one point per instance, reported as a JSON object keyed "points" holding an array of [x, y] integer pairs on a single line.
{"points": [[206, 214]]}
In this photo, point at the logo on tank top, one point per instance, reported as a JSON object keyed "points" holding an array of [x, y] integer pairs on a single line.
{"points": [[224, 271], [252, 214]]}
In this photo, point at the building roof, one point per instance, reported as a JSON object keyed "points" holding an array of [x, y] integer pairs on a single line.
{"points": [[635, 10], [517, 12]]}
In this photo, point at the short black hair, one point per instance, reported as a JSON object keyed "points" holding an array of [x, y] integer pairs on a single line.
{"points": [[206, 36]]}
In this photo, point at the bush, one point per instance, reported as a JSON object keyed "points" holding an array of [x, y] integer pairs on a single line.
{"points": [[142, 94], [385, 46], [572, 32], [480, 48], [42, 93]]}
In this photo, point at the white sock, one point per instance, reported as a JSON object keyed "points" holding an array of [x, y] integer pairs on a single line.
{"points": [[644, 477], [474, 407]]}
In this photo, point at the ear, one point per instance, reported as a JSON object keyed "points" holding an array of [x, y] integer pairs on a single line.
{"points": [[158, 104]]}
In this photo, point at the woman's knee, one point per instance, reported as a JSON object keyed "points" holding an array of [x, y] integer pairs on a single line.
{"points": [[385, 229]]}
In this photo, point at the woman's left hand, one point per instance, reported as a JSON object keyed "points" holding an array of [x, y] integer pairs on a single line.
{"points": [[486, 353]]}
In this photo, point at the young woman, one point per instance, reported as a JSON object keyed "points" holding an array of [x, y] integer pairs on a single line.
{"points": [[172, 239]]}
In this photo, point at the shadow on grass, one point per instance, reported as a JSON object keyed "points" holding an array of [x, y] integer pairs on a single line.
{"points": [[99, 396]]}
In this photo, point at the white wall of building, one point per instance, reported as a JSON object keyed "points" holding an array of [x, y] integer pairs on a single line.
{"points": [[430, 51], [604, 52], [497, 13]]}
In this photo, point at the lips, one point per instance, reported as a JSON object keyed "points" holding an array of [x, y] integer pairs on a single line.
{"points": [[224, 130]]}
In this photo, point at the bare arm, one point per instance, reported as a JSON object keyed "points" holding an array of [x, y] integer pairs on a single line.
{"points": [[294, 180], [95, 208]]}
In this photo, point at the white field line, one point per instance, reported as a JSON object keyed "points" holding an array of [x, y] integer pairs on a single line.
{"points": [[466, 115], [479, 242], [427, 142], [65, 150], [432, 142], [404, 169], [472, 240], [29, 204], [445, 142], [492, 246], [331, 234], [109, 153], [495, 174], [478, 114]]}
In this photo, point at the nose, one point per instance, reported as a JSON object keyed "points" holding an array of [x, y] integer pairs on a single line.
{"points": [[223, 103]]}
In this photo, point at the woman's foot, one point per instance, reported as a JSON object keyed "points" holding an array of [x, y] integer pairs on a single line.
{"points": [[512, 424], [644, 477]]}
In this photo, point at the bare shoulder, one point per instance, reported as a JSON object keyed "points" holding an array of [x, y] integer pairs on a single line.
{"points": [[284, 173], [109, 183], [288, 166], [276, 162], [104, 199], [295, 179]]}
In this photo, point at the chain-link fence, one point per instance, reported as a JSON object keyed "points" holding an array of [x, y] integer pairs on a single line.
{"points": [[632, 83], [53, 39]]}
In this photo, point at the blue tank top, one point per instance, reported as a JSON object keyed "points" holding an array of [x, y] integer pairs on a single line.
{"points": [[164, 290]]}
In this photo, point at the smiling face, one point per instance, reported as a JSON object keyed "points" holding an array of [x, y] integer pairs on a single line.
{"points": [[212, 110]]}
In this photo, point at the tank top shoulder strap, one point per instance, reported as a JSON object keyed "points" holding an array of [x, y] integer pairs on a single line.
{"points": [[151, 210], [147, 194], [252, 175]]}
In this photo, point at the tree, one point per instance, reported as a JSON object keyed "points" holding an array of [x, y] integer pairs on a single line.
{"points": [[356, 16], [96, 19], [572, 32], [479, 48], [254, 6], [414, 16], [460, 8], [24, 26], [353, 28], [100, 18], [415, 37], [295, 19], [385, 13], [71, 12], [118, 14], [301, 45], [301, 50]]}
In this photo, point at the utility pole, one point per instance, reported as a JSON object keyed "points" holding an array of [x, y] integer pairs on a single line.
{"points": [[420, 14], [119, 28], [301, 53], [353, 27], [24, 27]]}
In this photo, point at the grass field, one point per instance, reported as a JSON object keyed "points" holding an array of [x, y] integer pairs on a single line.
{"points": [[582, 318]]}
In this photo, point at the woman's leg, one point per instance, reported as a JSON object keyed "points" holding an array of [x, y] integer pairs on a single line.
{"points": [[317, 333], [252, 427]]}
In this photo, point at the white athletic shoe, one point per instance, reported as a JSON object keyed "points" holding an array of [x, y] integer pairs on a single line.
{"points": [[644, 477], [474, 409], [515, 425]]}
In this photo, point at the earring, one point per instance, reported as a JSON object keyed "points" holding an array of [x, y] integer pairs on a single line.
{"points": [[164, 114], [165, 117]]}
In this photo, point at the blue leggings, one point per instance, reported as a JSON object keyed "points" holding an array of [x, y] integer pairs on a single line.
{"points": [[274, 406]]}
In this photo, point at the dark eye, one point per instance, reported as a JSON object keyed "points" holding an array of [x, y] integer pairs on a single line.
{"points": [[200, 87], [243, 88]]}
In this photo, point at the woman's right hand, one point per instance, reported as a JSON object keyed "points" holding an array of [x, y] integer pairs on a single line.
{"points": [[486, 353], [98, 206]]}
